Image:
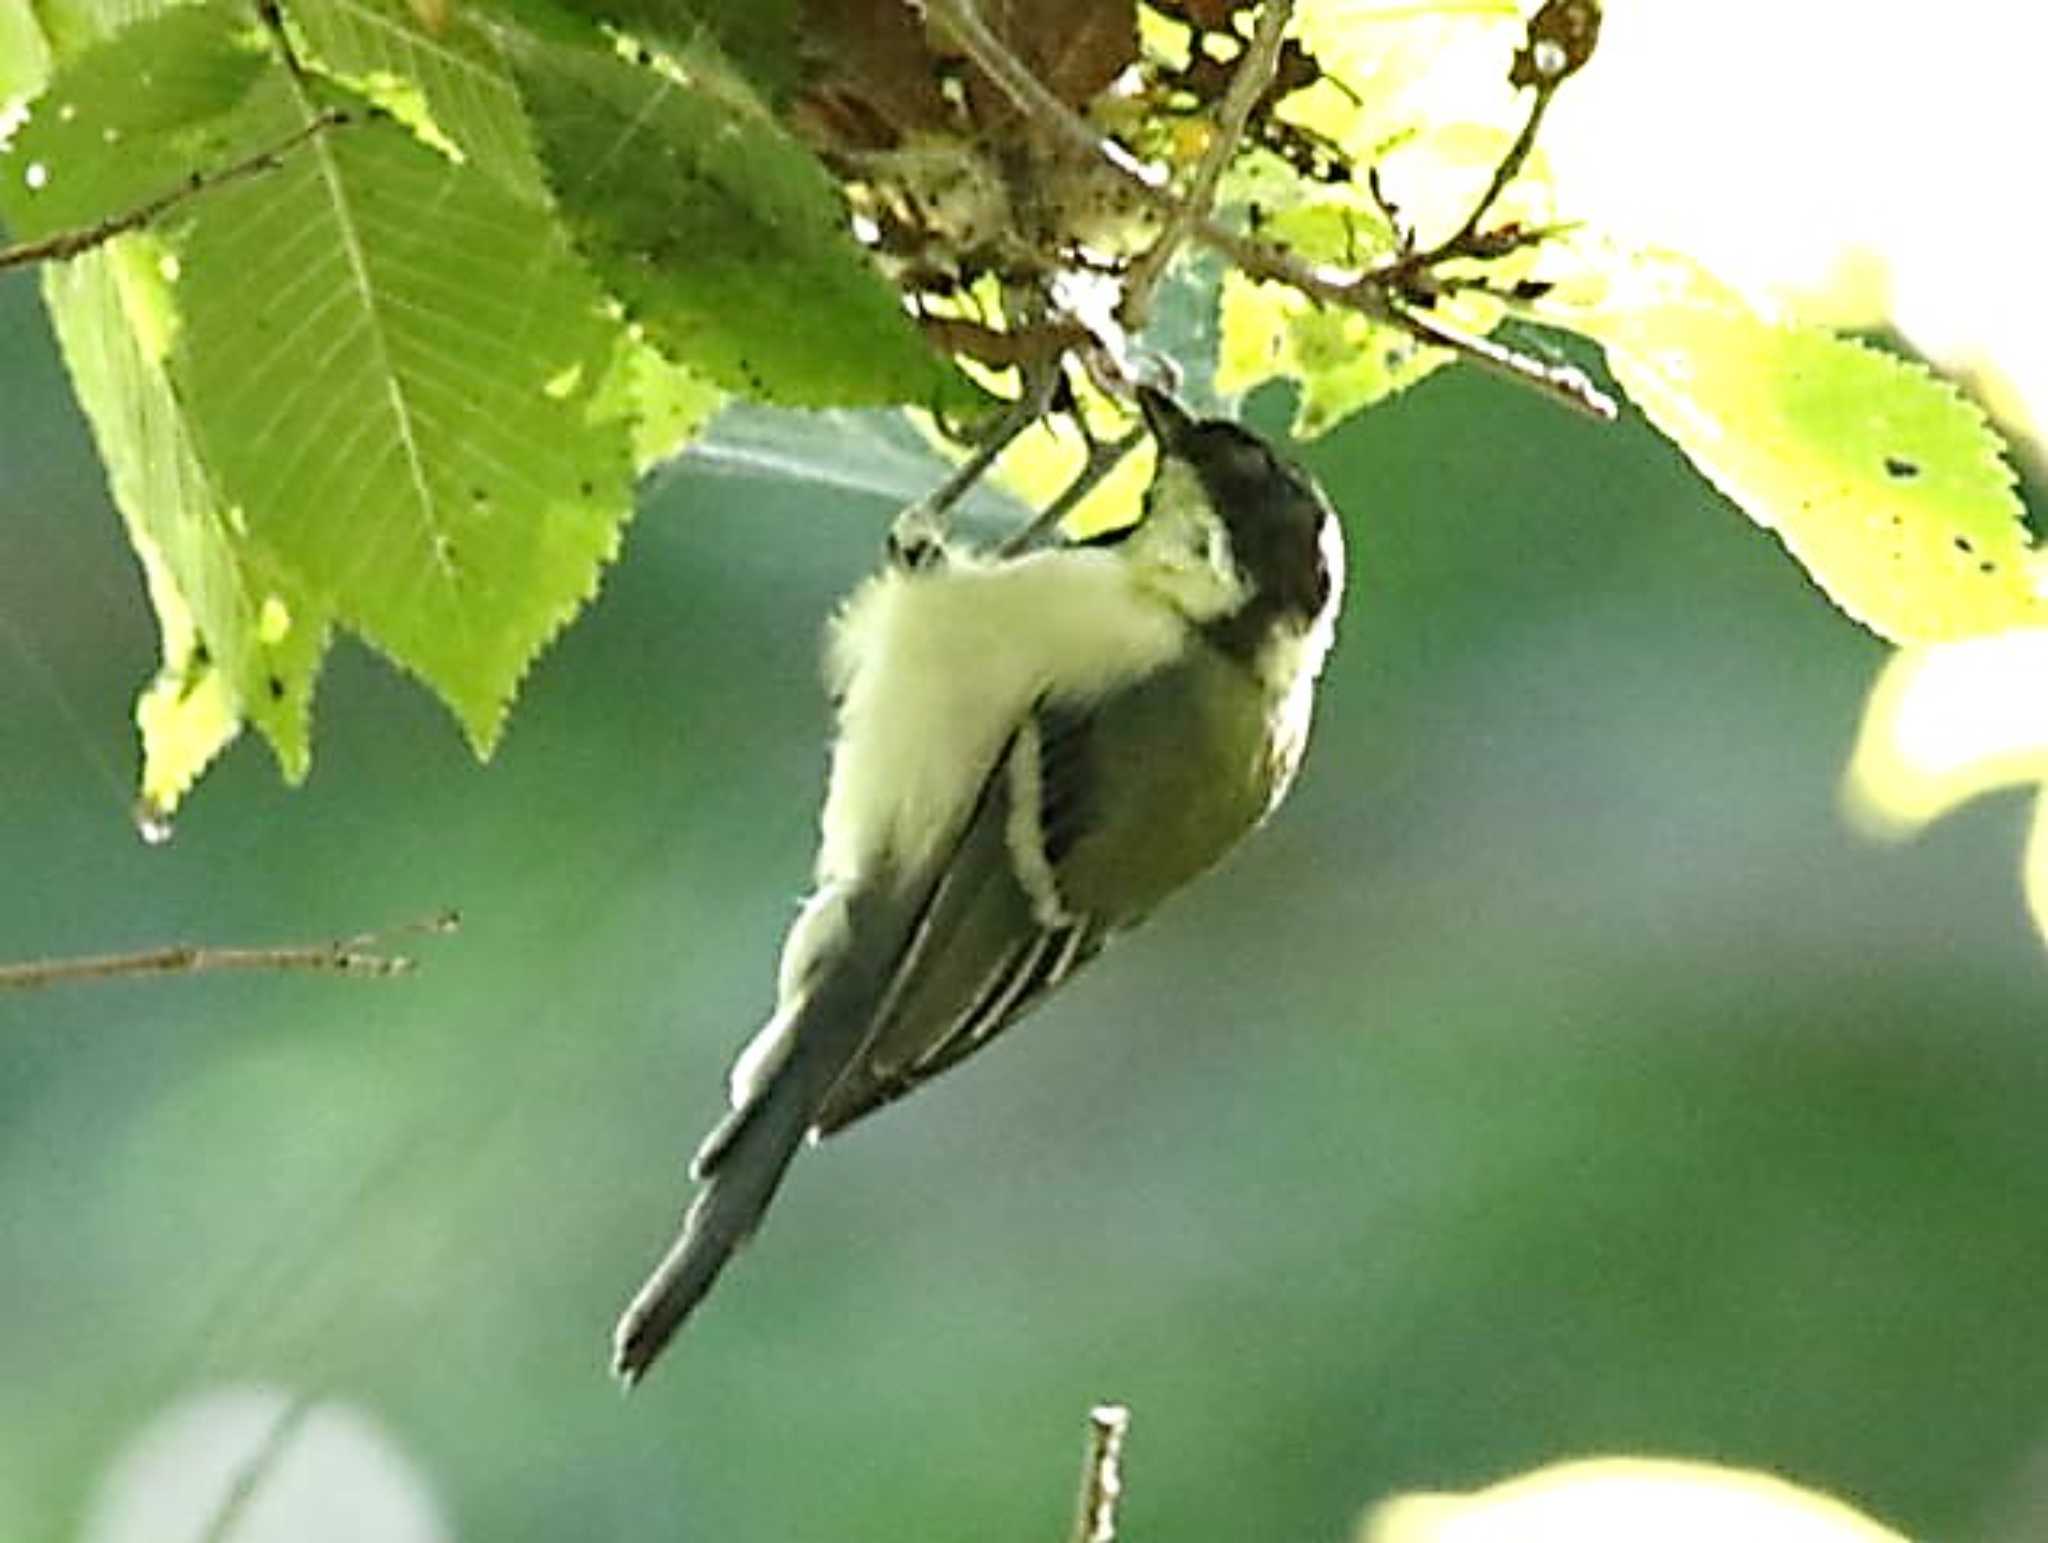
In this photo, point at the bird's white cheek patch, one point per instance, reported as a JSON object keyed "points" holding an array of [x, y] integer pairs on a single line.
{"points": [[1182, 551]]}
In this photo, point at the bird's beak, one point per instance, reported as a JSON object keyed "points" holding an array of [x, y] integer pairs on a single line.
{"points": [[1166, 418]]}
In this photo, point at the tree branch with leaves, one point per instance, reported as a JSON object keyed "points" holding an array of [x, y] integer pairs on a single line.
{"points": [[378, 326]]}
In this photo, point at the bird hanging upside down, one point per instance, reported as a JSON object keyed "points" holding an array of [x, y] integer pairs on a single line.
{"points": [[1032, 753]]}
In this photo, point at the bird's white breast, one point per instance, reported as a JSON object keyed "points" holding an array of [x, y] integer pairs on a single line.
{"points": [[935, 669]]}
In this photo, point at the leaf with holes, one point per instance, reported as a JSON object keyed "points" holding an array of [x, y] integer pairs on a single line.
{"points": [[1886, 483], [724, 236], [130, 119], [390, 361]]}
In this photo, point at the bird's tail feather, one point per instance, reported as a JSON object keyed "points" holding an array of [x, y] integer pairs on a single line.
{"points": [[742, 1162], [741, 1165]]}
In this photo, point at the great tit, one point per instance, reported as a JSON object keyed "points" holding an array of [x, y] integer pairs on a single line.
{"points": [[1032, 753]]}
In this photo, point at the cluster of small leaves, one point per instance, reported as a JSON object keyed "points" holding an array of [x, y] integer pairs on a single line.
{"points": [[400, 384]]}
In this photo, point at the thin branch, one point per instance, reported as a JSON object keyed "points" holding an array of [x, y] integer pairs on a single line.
{"points": [[341, 956], [1254, 74], [919, 531], [1102, 1480], [1363, 292], [1104, 456], [963, 21], [1459, 243], [70, 243]]}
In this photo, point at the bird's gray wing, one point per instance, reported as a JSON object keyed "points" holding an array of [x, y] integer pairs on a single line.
{"points": [[993, 940], [1038, 881]]}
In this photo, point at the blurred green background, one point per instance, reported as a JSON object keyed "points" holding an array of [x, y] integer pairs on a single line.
{"points": [[1556, 1075]]}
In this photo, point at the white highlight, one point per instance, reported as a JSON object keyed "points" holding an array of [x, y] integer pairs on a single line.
{"points": [[1290, 663], [1947, 722], [1880, 203], [1024, 833]]}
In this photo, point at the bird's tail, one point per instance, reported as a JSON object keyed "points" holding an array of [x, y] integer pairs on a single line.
{"points": [[782, 1080], [741, 1166]]}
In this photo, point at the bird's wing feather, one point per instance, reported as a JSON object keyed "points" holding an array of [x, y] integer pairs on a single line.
{"points": [[992, 948], [1038, 881]]}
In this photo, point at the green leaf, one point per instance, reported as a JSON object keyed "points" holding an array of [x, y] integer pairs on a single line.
{"points": [[24, 56], [1343, 361], [1885, 482], [72, 26], [391, 361], [666, 404], [225, 605], [724, 236], [759, 37], [459, 72], [130, 119]]}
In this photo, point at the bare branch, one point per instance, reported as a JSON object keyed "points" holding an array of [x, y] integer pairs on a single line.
{"points": [[1102, 1481], [1254, 74], [341, 956], [70, 243]]}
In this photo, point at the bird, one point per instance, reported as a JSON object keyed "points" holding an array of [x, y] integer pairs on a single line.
{"points": [[1032, 752]]}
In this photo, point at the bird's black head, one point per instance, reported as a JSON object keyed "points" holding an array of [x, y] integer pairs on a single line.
{"points": [[1284, 536]]}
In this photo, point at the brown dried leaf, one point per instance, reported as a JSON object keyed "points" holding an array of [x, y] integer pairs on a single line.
{"points": [[871, 78]]}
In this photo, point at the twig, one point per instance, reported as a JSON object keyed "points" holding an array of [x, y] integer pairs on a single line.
{"points": [[1104, 456], [341, 956], [1254, 74], [1364, 292], [920, 529], [70, 243], [1102, 1481], [1459, 242], [249, 1476], [1023, 88]]}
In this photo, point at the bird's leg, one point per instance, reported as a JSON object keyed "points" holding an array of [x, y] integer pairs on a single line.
{"points": [[917, 536]]}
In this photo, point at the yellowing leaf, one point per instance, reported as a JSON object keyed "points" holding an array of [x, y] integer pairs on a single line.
{"points": [[1343, 361], [1951, 721], [189, 713], [666, 404], [217, 593], [1885, 482], [1405, 65], [1626, 1500], [1042, 462]]}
